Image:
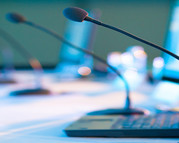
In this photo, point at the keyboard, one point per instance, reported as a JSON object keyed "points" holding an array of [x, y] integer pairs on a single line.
{"points": [[158, 125]]}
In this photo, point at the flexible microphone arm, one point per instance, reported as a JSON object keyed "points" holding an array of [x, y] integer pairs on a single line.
{"points": [[79, 15], [58, 37], [132, 36]]}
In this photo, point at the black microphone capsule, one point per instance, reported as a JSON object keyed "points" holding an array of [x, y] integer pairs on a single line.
{"points": [[15, 18], [75, 14]]}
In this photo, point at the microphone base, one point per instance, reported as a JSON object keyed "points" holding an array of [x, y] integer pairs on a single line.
{"points": [[130, 111], [7, 81], [24, 92]]}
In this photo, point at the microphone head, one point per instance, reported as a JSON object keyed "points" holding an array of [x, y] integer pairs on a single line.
{"points": [[75, 14], [15, 17]]}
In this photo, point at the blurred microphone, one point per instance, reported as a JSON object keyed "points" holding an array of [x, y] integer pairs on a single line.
{"points": [[35, 64], [79, 15], [7, 63], [7, 67], [17, 18]]}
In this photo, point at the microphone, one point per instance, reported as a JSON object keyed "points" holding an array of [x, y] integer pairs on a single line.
{"points": [[7, 67], [17, 18], [34, 63], [79, 15]]}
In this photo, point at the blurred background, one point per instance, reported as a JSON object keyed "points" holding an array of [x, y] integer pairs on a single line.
{"points": [[144, 18], [77, 84]]}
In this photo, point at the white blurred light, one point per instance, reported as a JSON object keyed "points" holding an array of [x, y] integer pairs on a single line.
{"points": [[158, 62], [127, 58], [131, 74], [84, 71], [139, 54], [175, 26], [114, 59], [136, 48]]}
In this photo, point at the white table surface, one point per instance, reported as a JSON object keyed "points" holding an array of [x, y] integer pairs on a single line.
{"points": [[31, 119]]}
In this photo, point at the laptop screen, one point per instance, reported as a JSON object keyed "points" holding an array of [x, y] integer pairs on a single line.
{"points": [[171, 69]]}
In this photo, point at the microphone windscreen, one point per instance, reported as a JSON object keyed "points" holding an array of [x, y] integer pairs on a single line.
{"points": [[15, 18], [75, 14]]}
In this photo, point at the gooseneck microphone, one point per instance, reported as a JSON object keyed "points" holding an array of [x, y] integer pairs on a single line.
{"points": [[7, 66], [34, 63], [17, 18], [79, 15]]}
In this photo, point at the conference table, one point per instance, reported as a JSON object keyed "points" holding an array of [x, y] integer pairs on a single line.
{"points": [[43, 118]]}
